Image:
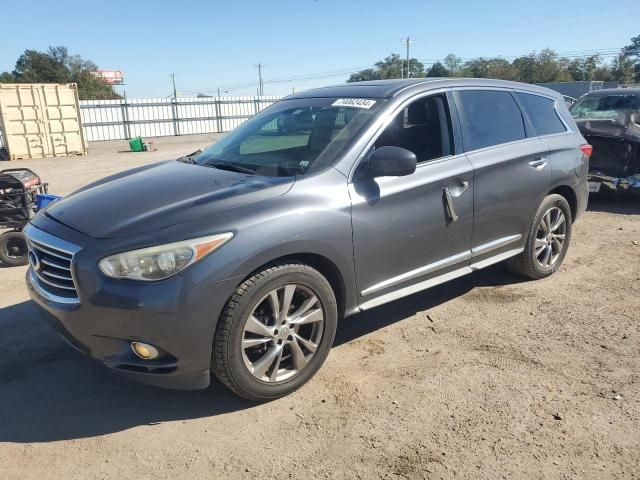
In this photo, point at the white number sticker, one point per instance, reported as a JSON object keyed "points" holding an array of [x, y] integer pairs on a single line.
{"points": [[354, 102], [594, 187]]}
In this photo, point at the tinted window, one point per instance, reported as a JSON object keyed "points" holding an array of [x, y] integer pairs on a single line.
{"points": [[542, 113], [424, 127], [488, 118]]}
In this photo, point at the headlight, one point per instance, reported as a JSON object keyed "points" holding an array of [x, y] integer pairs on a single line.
{"points": [[156, 263]]}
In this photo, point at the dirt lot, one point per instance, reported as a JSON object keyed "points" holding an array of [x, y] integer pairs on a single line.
{"points": [[488, 377]]}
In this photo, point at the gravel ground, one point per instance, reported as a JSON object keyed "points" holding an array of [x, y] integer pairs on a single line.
{"points": [[489, 376]]}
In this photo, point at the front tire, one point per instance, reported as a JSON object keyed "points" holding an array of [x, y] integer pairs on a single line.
{"points": [[275, 332], [547, 241]]}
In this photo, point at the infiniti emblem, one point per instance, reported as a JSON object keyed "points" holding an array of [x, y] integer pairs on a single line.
{"points": [[34, 261]]}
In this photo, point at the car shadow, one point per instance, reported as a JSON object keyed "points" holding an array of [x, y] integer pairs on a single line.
{"points": [[49, 392], [371, 320], [624, 205]]}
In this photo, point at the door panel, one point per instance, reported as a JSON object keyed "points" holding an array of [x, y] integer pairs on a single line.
{"points": [[510, 182], [403, 231]]}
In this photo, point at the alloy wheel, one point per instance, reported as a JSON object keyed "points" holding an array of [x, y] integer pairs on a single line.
{"points": [[550, 237], [282, 333]]}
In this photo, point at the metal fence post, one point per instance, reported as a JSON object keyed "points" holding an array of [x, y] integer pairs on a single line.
{"points": [[174, 112], [125, 118], [218, 114]]}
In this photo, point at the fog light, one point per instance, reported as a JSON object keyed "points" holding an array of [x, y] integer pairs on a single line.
{"points": [[144, 350]]}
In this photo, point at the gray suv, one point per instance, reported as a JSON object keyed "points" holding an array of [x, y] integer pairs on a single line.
{"points": [[240, 259]]}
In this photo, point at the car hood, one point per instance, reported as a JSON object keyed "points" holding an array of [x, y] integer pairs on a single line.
{"points": [[158, 196]]}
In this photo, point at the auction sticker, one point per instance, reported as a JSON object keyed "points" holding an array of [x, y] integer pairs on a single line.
{"points": [[354, 102], [594, 187]]}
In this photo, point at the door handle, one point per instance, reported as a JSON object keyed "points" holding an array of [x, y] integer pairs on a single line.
{"points": [[448, 201], [539, 163], [458, 189], [463, 187]]}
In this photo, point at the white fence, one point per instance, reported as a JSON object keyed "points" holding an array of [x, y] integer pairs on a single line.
{"points": [[158, 117]]}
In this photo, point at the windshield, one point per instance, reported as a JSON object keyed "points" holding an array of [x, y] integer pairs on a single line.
{"points": [[607, 107], [292, 136]]}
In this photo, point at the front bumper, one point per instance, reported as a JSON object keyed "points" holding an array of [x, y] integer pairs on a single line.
{"points": [[175, 315]]}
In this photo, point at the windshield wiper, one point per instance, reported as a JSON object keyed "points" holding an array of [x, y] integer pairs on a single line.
{"points": [[189, 158], [232, 167]]}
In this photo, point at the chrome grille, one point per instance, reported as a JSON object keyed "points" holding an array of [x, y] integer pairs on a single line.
{"points": [[50, 261]]}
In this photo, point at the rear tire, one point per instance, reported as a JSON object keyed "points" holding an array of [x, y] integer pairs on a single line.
{"points": [[547, 240], [275, 332], [13, 249]]}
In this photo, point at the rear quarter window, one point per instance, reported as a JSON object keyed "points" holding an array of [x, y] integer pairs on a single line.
{"points": [[542, 113], [488, 118]]}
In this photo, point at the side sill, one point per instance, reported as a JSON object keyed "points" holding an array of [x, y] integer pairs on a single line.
{"points": [[432, 282], [403, 292]]}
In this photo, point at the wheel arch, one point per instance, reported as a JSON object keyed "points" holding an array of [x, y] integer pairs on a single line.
{"points": [[323, 264], [570, 196]]}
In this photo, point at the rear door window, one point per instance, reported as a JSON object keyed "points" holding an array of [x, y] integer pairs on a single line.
{"points": [[542, 113], [488, 118]]}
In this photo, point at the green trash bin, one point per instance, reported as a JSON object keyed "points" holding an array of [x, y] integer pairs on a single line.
{"points": [[136, 144]]}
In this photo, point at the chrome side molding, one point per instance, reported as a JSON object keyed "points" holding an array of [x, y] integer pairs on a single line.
{"points": [[403, 292], [444, 263], [418, 272], [494, 245]]}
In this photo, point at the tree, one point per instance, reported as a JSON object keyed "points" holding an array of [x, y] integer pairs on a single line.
{"points": [[585, 68], [490, 68], [622, 69], [363, 75], [416, 68], [57, 66], [391, 67], [632, 52], [38, 67], [543, 67], [6, 77], [453, 63], [438, 70], [590, 68]]}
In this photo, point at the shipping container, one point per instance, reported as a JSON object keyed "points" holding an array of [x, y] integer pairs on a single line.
{"points": [[41, 120]]}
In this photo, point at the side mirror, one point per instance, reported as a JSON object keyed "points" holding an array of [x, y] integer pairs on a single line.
{"points": [[392, 162]]}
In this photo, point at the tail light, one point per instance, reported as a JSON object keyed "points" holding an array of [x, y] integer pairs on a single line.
{"points": [[586, 149]]}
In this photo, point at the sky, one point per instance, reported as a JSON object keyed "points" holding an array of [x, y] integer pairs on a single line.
{"points": [[216, 44]]}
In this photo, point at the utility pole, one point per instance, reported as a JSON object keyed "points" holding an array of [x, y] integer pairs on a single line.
{"points": [[408, 41], [173, 80], [218, 93], [261, 88]]}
